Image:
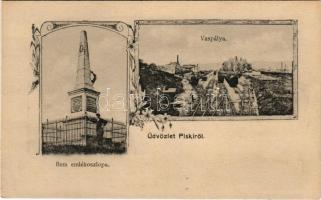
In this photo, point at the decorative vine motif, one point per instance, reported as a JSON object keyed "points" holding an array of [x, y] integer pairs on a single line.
{"points": [[139, 115], [117, 26], [35, 64], [52, 26]]}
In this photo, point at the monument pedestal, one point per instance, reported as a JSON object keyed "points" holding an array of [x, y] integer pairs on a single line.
{"points": [[83, 101]]}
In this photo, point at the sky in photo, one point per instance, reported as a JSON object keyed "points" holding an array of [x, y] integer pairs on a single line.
{"points": [[108, 59], [160, 44]]}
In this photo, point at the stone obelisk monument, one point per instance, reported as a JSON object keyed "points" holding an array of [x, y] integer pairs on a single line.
{"points": [[84, 98]]}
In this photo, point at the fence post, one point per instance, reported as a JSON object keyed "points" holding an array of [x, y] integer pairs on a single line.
{"points": [[112, 129], [46, 138], [66, 130], [85, 131], [62, 139], [56, 133]]}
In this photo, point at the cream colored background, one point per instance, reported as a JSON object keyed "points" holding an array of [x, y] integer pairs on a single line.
{"points": [[238, 159]]}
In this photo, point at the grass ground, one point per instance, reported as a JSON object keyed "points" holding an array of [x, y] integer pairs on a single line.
{"points": [[92, 147]]}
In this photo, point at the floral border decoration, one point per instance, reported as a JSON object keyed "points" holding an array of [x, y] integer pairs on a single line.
{"points": [[139, 115], [35, 64]]}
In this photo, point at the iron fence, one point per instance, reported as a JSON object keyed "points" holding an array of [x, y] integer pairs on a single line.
{"points": [[77, 131]]}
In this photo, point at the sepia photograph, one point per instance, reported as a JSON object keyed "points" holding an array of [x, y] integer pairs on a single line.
{"points": [[83, 103], [210, 68]]}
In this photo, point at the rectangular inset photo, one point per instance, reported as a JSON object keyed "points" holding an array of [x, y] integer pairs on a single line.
{"points": [[83, 88], [219, 69]]}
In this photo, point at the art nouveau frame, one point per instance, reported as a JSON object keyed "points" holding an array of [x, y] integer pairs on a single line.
{"points": [[48, 27]]}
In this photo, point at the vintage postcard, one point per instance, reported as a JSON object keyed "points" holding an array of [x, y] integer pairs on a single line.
{"points": [[161, 99]]}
